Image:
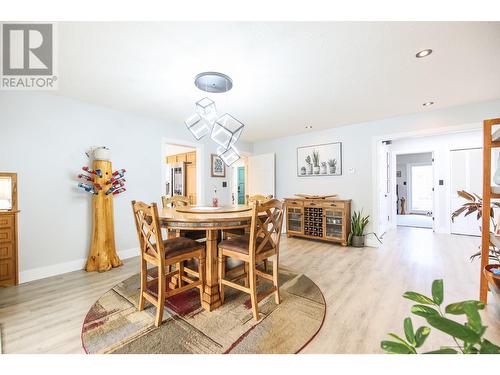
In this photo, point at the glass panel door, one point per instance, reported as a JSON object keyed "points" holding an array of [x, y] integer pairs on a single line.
{"points": [[295, 219], [334, 223]]}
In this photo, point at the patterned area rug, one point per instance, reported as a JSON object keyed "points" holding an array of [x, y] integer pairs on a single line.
{"points": [[114, 325]]}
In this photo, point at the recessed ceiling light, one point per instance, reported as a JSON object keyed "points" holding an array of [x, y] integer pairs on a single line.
{"points": [[423, 53], [309, 127], [428, 104]]}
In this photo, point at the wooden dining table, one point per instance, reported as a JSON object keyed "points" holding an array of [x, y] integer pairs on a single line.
{"points": [[212, 220]]}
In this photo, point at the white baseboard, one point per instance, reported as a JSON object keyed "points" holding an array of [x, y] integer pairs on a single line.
{"points": [[65, 267]]}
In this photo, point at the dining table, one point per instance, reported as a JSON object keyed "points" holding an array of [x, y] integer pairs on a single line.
{"points": [[212, 220]]}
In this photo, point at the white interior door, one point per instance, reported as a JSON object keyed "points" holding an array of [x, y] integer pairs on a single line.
{"points": [[466, 174], [261, 175], [384, 158]]}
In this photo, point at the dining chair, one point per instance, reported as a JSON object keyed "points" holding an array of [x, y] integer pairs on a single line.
{"points": [[182, 201], [239, 232], [162, 254], [260, 244]]}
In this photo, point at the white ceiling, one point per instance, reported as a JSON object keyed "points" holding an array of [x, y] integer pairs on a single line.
{"points": [[286, 75]]}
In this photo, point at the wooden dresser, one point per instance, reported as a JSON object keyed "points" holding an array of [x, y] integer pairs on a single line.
{"points": [[321, 219]]}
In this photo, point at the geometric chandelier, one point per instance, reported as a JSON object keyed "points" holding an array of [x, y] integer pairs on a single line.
{"points": [[225, 130]]}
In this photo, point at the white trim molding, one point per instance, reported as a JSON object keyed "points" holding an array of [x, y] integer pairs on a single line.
{"points": [[65, 267]]}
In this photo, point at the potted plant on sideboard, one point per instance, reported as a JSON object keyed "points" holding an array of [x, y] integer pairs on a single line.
{"points": [[358, 225], [474, 205]]}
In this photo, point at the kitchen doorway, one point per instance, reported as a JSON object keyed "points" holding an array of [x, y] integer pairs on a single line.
{"points": [[180, 171]]}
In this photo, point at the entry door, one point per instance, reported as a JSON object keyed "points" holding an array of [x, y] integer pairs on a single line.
{"points": [[241, 185], [261, 174], [466, 174]]}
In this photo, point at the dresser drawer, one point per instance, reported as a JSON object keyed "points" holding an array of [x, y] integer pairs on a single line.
{"points": [[312, 204], [296, 203], [6, 250], [6, 221], [333, 204], [6, 235], [7, 271]]}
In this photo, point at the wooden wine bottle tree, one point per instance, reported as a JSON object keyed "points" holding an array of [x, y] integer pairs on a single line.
{"points": [[104, 185]]}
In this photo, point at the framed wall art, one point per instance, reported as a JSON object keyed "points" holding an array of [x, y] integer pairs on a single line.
{"points": [[217, 166], [320, 160]]}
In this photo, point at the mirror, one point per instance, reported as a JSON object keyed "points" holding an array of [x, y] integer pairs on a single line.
{"points": [[6, 196]]}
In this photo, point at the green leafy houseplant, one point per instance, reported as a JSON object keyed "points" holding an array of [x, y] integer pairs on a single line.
{"points": [[474, 205], [358, 225], [468, 337]]}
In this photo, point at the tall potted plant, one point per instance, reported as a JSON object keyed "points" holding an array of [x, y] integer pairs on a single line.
{"points": [[358, 225], [316, 161]]}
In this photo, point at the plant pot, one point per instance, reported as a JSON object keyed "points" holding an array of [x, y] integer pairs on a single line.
{"points": [[309, 169], [358, 241], [323, 170], [332, 170], [493, 280], [316, 170], [303, 171]]}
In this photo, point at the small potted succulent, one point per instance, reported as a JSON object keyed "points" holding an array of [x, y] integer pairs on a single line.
{"points": [[309, 164], [303, 171], [332, 165], [316, 161], [323, 167], [358, 225]]}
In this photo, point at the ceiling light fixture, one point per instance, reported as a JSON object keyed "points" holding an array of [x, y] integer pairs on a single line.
{"points": [[423, 53], [428, 104], [213, 82], [309, 127], [225, 130]]}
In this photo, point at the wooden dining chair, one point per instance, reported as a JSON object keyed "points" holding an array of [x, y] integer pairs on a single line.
{"points": [[162, 254], [249, 199], [181, 201], [260, 244]]}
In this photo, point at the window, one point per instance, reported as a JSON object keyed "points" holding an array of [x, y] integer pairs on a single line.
{"points": [[421, 188]]}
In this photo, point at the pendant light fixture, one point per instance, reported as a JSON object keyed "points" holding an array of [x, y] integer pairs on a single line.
{"points": [[225, 130]]}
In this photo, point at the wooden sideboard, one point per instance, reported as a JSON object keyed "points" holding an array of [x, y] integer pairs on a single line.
{"points": [[8, 229], [8, 248], [321, 219]]}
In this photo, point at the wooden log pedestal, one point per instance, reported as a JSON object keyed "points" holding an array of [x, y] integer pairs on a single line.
{"points": [[102, 253]]}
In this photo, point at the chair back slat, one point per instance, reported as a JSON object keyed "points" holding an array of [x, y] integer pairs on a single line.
{"points": [[258, 198], [175, 201], [148, 229], [267, 222]]}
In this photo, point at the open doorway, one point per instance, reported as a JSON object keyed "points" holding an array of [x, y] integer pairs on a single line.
{"points": [[239, 181], [180, 171], [415, 190]]}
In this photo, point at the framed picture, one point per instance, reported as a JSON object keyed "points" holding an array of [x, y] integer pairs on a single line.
{"points": [[320, 160], [398, 173], [218, 166]]}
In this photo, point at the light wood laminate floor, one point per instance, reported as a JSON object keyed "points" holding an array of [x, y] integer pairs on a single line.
{"points": [[362, 288]]}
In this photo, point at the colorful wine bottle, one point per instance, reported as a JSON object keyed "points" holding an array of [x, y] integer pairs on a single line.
{"points": [[112, 180], [121, 190], [119, 172], [97, 172], [87, 188], [85, 177]]}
